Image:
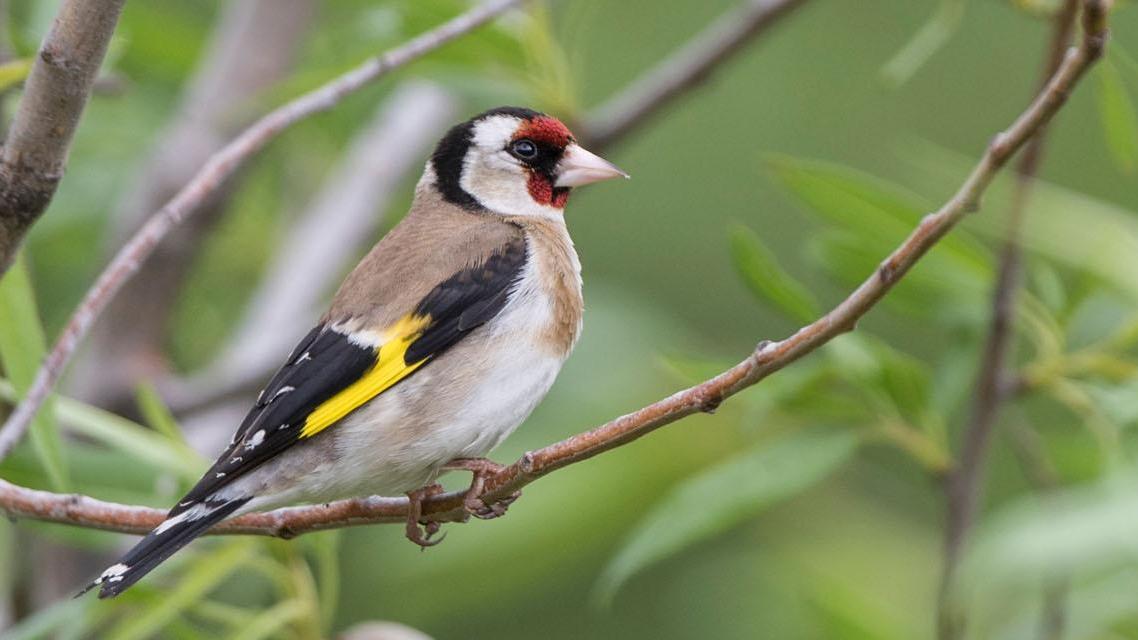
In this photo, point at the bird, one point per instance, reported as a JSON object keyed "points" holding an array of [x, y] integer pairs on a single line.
{"points": [[434, 349]]}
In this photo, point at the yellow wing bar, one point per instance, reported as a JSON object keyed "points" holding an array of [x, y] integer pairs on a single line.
{"points": [[389, 368]]}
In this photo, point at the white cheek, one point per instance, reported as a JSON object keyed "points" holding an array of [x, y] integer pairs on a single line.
{"points": [[499, 183]]}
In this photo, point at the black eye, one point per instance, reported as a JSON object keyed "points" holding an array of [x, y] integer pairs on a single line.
{"points": [[524, 149]]}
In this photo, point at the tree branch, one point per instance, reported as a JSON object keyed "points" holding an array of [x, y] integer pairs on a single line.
{"points": [[686, 68], [320, 245], [219, 167], [215, 105], [964, 484], [767, 358], [54, 96]]}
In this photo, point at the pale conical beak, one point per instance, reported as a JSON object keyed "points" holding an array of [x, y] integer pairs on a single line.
{"points": [[579, 167]]}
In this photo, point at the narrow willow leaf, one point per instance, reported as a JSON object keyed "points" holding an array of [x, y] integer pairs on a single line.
{"points": [[269, 622], [930, 38], [880, 213], [725, 496], [45, 623], [1118, 117], [1076, 531], [118, 433], [766, 279], [22, 348], [1102, 241], [157, 414], [14, 72], [326, 549], [207, 571]]}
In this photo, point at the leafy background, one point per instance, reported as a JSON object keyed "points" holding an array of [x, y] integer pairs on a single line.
{"points": [[810, 507]]}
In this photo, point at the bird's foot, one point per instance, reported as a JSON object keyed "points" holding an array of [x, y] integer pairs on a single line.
{"points": [[418, 530], [481, 468]]}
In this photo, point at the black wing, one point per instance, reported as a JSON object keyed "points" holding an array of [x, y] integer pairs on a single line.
{"points": [[327, 361]]}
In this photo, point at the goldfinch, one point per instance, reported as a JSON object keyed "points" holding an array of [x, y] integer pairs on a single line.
{"points": [[435, 348]]}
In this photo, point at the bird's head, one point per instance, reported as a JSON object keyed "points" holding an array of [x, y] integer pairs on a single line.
{"points": [[514, 161]]}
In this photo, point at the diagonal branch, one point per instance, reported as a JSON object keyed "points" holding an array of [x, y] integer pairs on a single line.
{"points": [[320, 245], [767, 358], [219, 167], [688, 67], [55, 94], [216, 105]]}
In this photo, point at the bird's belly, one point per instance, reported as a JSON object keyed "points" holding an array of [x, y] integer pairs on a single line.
{"points": [[462, 404]]}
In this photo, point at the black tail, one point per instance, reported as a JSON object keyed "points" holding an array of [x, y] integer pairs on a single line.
{"points": [[161, 543]]}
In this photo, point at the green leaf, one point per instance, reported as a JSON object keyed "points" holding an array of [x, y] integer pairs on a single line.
{"points": [[46, 622], [725, 496], [760, 270], [271, 620], [1101, 241], [872, 217], [121, 434], [22, 348], [207, 571], [14, 72], [157, 414], [929, 39], [1119, 120]]}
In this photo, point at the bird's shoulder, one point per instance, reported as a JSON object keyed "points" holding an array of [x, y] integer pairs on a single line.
{"points": [[434, 242]]}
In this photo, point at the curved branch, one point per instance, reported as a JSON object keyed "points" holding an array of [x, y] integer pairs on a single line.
{"points": [[56, 92], [767, 358], [219, 167], [683, 70], [230, 77]]}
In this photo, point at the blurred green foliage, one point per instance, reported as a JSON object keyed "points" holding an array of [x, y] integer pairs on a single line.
{"points": [[809, 506]]}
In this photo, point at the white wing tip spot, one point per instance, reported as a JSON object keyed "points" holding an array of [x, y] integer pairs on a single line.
{"points": [[114, 573], [283, 390], [256, 440]]}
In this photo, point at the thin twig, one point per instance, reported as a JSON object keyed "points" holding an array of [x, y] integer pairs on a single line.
{"points": [[683, 70], [216, 104], [240, 370], [320, 245], [55, 94], [220, 166], [767, 358], [964, 484]]}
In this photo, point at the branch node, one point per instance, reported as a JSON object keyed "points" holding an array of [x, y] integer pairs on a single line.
{"points": [[887, 272], [999, 147], [527, 462], [709, 404]]}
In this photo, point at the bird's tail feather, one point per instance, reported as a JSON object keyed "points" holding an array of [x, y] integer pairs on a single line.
{"points": [[161, 543]]}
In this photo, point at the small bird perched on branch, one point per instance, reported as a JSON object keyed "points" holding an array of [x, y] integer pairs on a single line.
{"points": [[435, 348]]}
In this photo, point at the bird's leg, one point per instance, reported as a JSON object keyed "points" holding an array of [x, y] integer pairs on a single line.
{"points": [[481, 468], [422, 535]]}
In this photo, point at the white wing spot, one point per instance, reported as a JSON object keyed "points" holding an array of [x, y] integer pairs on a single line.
{"points": [[256, 440], [236, 460], [283, 427], [282, 391], [192, 514], [304, 356], [115, 571], [219, 474]]}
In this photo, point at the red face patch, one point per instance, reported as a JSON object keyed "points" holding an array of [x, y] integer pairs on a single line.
{"points": [[545, 129], [543, 192]]}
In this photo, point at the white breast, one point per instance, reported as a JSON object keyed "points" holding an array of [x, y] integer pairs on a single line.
{"points": [[461, 405]]}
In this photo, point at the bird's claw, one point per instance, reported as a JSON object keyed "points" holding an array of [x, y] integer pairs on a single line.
{"points": [[472, 501], [478, 508], [418, 530]]}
